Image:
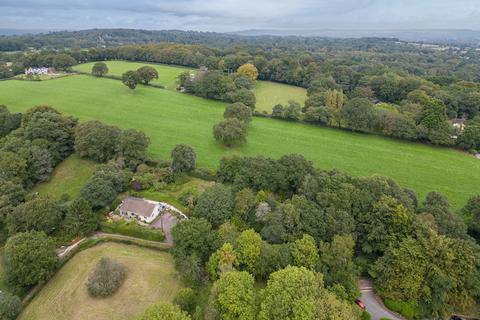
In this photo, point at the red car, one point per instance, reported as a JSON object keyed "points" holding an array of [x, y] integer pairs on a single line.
{"points": [[360, 304]]}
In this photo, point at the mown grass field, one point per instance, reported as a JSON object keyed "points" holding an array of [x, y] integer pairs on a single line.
{"points": [[151, 278], [167, 75], [169, 117], [269, 94], [67, 178]]}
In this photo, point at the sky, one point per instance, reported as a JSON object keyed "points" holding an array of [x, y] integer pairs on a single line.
{"points": [[235, 15]]}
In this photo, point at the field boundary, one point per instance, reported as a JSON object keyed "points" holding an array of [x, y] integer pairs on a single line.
{"points": [[90, 242]]}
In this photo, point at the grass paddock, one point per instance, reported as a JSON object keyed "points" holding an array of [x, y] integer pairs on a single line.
{"points": [[269, 94], [67, 178], [169, 118], [151, 278]]}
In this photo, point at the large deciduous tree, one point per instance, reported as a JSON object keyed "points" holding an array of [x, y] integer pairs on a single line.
{"points": [[164, 311], [99, 69], [130, 79], [305, 253], [97, 141], [233, 296], [216, 204], [183, 158], [248, 249], [248, 70], [230, 131], [132, 147], [30, 258], [147, 74]]}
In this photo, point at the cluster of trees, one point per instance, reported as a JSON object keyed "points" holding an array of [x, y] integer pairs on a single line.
{"points": [[233, 130], [235, 87], [284, 217], [142, 75], [61, 61]]}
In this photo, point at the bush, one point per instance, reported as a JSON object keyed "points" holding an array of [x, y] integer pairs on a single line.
{"points": [[106, 278], [185, 299], [132, 229], [407, 309], [10, 306], [164, 311], [365, 316]]}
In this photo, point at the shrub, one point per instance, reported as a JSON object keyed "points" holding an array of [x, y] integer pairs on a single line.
{"points": [[132, 229], [365, 316], [106, 278], [185, 299], [164, 311], [407, 309], [10, 306]]}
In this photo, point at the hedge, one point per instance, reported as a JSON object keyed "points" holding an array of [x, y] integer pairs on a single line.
{"points": [[132, 229]]}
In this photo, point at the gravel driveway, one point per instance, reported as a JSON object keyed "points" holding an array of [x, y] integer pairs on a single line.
{"points": [[166, 222]]}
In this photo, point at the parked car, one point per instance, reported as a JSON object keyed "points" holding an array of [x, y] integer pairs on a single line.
{"points": [[360, 304]]}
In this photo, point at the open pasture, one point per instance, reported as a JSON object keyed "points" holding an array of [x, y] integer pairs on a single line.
{"points": [[169, 118]]}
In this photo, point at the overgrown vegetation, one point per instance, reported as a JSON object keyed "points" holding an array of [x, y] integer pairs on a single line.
{"points": [[106, 278]]}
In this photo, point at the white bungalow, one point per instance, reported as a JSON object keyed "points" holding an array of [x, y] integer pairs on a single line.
{"points": [[142, 209]]}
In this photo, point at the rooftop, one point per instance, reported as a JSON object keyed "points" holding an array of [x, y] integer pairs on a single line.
{"points": [[141, 207]]}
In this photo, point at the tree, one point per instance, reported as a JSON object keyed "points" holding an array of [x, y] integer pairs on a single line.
{"points": [[147, 74], [248, 249], [63, 61], [244, 96], [248, 70], [221, 261], [233, 296], [387, 224], [239, 111], [337, 265], [164, 311], [12, 166], [10, 306], [358, 114], [290, 294], [330, 307], [106, 278], [130, 79], [304, 252], [215, 204], [183, 158], [80, 219], [472, 212], [39, 214], [186, 300], [97, 141], [8, 121], [99, 192], [132, 147], [99, 69], [30, 258], [230, 132], [193, 236], [469, 139], [440, 273]]}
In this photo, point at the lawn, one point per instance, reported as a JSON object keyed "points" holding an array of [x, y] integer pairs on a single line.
{"points": [[167, 74], [151, 278], [271, 93], [67, 178], [169, 117]]}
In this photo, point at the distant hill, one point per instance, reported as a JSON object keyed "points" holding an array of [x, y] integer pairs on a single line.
{"points": [[443, 36]]}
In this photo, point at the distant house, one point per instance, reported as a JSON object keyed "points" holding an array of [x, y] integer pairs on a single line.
{"points": [[142, 209], [40, 70], [458, 123]]}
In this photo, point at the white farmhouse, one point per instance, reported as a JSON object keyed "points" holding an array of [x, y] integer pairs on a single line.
{"points": [[142, 209]]}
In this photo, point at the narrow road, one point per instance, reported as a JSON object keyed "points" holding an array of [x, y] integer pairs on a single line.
{"points": [[373, 303]]}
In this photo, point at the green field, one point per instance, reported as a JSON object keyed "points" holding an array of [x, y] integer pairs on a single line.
{"points": [[167, 75], [67, 178], [169, 117], [269, 94], [151, 278]]}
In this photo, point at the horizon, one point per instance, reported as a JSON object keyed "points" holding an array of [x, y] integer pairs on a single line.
{"points": [[234, 16]]}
